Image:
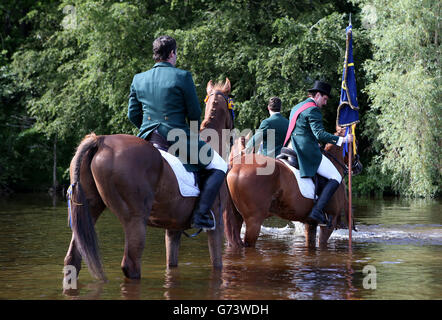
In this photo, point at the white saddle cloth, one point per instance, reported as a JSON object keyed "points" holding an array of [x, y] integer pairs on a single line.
{"points": [[186, 179], [306, 185]]}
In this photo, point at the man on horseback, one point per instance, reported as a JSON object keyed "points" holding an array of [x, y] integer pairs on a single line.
{"points": [[164, 98], [276, 122], [306, 130]]}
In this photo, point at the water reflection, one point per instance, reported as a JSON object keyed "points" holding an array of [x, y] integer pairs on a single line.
{"points": [[131, 289], [248, 274], [401, 239], [86, 291]]}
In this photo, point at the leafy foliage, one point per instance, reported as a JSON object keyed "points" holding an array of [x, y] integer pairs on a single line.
{"points": [[405, 114], [68, 70]]}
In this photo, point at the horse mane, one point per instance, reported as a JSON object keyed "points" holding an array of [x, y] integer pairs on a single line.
{"points": [[210, 114], [219, 86]]}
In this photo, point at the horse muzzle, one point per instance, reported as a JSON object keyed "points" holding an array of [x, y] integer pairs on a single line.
{"points": [[356, 167]]}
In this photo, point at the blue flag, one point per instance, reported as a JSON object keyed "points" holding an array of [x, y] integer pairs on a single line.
{"points": [[348, 110]]}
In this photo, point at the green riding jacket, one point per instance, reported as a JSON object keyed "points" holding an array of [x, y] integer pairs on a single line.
{"points": [[164, 98], [305, 138]]}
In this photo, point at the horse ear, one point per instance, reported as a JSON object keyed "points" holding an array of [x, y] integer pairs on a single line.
{"points": [[209, 87], [248, 136], [227, 87], [243, 141]]}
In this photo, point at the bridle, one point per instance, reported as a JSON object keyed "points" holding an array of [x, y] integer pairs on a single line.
{"points": [[356, 166], [229, 103]]}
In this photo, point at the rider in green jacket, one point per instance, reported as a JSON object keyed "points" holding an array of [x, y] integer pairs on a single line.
{"points": [[306, 136], [276, 122], [164, 98]]}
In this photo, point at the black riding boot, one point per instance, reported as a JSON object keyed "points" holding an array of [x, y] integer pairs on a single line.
{"points": [[202, 218], [317, 213]]}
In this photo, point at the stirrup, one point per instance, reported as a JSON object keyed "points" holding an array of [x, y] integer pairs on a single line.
{"points": [[193, 235], [316, 219], [206, 229], [322, 224], [329, 221], [214, 222]]}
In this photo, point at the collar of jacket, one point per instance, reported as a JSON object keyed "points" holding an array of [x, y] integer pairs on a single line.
{"points": [[163, 64], [310, 100]]}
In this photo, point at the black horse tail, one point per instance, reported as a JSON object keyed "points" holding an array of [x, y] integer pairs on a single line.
{"points": [[80, 218]]}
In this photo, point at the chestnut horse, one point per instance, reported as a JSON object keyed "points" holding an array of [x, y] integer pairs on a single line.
{"points": [[258, 196], [130, 177]]}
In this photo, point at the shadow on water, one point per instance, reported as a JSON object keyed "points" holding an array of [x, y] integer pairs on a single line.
{"points": [[400, 240]]}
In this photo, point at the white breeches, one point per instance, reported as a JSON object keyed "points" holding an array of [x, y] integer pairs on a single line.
{"points": [[328, 170], [217, 163]]}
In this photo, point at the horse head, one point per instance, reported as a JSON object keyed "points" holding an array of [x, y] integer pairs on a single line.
{"points": [[337, 157], [218, 112], [218, 116], [356, 166]]}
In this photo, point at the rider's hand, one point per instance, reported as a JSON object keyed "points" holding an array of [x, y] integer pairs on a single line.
{"points": [[348, 138]]}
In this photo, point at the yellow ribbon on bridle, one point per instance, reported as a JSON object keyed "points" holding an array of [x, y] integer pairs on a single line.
{"points": [[229, 101]]}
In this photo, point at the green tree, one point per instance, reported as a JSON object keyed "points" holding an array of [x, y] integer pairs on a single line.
{"points": [[404, 73], [79, 57], [23, 151]]}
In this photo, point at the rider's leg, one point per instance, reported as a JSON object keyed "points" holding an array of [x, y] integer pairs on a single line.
{"points": [[213, 177], [329, 171]]}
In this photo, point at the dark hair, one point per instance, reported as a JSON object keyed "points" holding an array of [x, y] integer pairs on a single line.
{"points": [[274, 104], [162, 46]]}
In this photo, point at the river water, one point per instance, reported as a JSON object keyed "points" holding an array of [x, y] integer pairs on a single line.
{"points": [[396, 254]]}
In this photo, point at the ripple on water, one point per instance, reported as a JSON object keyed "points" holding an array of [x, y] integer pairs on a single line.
{"points": [[420, 234]]}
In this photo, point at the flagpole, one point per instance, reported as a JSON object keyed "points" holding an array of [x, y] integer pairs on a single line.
{"points": [[349, 148], [350, 227], [348, 117]]}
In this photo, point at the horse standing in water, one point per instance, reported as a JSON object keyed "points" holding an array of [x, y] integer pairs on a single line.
{"points": [[129, 176], [257, 196]]}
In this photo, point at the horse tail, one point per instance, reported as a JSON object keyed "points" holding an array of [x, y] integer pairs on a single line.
{"points": [[232, 223], [80, 218]]}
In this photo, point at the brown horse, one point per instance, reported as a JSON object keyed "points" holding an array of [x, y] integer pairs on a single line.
{"points": [[258, 196], [130, 177]]}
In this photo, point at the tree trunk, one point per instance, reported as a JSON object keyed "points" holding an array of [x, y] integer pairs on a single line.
{"points": [[54, 174]]}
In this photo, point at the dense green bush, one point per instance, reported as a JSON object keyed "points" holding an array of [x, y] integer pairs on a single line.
{"points": [[69, 69]]}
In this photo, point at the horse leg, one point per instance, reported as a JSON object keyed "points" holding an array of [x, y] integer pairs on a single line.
{"points": [[310, 234], [135, 237], [326, 232], [73, 257], [172, 247], [215, 241], [233, 223], [253, 227]]}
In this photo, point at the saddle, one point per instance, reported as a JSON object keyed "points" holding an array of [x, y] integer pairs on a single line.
{"points": [[158, 141], [290, 156], [161, 143]]}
